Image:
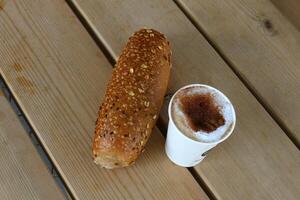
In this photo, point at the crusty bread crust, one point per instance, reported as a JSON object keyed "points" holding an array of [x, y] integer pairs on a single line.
{"points": [[133, 99]]}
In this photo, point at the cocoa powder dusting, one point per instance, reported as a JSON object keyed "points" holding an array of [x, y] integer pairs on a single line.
{"points": [[202, 113]]}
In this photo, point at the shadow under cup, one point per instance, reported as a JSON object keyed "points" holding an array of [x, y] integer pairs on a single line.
{"points": [[182, 149]]}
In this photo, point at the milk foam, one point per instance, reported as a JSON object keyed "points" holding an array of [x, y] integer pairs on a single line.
{"points": [[224, 105]]}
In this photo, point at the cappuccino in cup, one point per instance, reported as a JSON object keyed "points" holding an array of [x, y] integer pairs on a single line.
{"points": [[200, 118]]}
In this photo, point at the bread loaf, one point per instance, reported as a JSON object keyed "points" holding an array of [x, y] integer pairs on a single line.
{"points": [[132, 100]]}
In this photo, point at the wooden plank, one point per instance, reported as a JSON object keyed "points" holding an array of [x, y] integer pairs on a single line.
{"points": [[23, 174], [58, 76], [291, 9], [258, 161], [262, 46]]}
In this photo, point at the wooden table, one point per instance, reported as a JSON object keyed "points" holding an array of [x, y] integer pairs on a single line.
{"points": [[57, 56]]}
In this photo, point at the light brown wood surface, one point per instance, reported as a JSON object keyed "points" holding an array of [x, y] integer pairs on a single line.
{"points": [[262, 46], [58, 76], [23, 175], [258, 161], [291, 9]]}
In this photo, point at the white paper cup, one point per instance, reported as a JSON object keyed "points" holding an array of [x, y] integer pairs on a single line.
{"points": [[185, 151]]}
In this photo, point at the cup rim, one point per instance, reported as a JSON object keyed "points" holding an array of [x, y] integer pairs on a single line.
{"points": [[216, 90]]}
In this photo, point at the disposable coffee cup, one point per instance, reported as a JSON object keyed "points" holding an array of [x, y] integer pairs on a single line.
{"points": [[187, 151]]}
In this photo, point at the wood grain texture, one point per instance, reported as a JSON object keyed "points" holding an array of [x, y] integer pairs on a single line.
{"points": [[262, 46], [23, 175], [58, 76], [258, 161], [289, 8]]}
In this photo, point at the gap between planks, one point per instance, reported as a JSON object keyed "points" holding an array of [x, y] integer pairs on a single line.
{"points": [[89, 29], [160, 125], [240, 77], [35, 140]]}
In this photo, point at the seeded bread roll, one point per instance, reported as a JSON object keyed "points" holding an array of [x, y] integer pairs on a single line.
{"points": [[133, 100]]}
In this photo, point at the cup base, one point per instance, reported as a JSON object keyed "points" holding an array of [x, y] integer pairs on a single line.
{"points": [[181, 164]]}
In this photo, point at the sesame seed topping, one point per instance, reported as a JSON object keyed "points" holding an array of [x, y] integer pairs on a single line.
{"points": [[140, 90], [148, 31], [154, 117], [131, 93], [144, 66], [160, 47], [148, 126], [147, 103], [131, 70], [151, 35]]}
